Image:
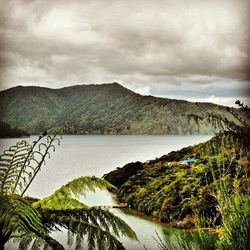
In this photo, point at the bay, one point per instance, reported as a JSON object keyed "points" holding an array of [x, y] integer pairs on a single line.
{"points": [[96, 155]]}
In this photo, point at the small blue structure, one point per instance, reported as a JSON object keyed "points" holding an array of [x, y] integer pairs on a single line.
{"points": [[188, 161]]}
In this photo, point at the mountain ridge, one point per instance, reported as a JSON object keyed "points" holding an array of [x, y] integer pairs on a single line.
{"points": [[108, 108], [106, 84]]}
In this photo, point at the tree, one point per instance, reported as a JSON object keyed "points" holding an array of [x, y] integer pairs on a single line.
{"points": [[31, 220]]}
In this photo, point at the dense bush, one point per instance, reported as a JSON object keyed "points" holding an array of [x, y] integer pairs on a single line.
{"points": [[170, 190]]}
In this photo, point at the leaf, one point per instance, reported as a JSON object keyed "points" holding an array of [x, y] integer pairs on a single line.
{"points": [[18, 216], [77, 187], [12, 161]]}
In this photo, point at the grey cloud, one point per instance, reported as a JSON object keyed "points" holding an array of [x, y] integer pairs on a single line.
{"points": [[139, 43]]}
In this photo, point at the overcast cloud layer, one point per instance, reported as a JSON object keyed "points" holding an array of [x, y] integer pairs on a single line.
{"points": [[194, 50]]}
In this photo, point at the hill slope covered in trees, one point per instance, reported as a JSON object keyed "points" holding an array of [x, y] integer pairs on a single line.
{"points": [[99, 109], [170, 190]]}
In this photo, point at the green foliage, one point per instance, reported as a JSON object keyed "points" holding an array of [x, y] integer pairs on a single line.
{"points": [[77, 187], [31, 220], [214, 189], [20, 164], [100, 109], [233, 203], [233, 197], [21, 217], [236, 223], [63, 210], [171, 190], [95, 223], [187, 240]]}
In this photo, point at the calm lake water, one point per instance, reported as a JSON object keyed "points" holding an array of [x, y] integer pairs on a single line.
{"points": [[97, 155]]}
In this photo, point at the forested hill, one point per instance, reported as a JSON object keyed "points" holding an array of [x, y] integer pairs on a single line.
{"points": [[99, 109]]}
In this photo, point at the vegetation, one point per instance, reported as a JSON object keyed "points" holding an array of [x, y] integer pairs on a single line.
{"points": [[169, 190], [6, 131], [100, 109], [31, 220], [187, 240], [215, 187]]}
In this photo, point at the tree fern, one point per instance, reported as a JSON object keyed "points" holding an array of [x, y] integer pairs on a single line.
{"points": [[31, 220], [20, 164], [18, 219], [61, 209], [21, 217], [77, 187], [11, 167], [94, 216], [95, 235]]}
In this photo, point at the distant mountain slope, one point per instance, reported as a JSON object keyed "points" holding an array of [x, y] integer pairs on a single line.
{"points": [[99, 109]]}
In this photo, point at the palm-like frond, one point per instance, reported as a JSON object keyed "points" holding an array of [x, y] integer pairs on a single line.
{"points": [[101, 227], [20, 164], [37, 243], [31, 223], [234, 124], [17, 215], [59, 203], [18, 219], [96, 236], [74, 188], [12, 164], [94, 216]]}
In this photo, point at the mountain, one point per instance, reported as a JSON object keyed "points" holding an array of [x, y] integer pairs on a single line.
{"points": [[99, 109]]}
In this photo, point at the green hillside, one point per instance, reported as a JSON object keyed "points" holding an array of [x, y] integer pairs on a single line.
{"points": [[99, 109], [170, 190]]}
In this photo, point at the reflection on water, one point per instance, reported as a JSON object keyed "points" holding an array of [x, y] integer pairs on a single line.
{"points": [[97, 155]]}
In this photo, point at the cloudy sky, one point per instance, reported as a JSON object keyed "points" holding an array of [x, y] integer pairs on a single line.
{"points": [[184, 49]]}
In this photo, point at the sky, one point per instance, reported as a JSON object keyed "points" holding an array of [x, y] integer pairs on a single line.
{"points": [[196, 50]]}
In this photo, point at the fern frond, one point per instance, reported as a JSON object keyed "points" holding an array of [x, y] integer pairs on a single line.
{"points": [[37, 243], [18, 216], [96, 237], [25, 241], [58, 204], [42, 154], [77, 187], [31, 241], [51, 242], [19, 219], [94, 216], [20, 164], [11, 163]]}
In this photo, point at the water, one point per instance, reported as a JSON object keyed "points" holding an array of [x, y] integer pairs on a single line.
{"points": [[97, 155]]}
